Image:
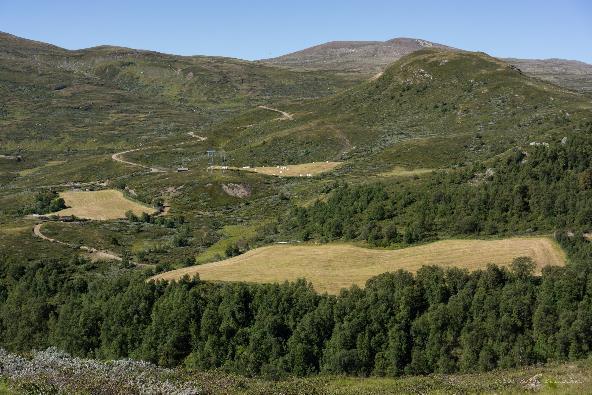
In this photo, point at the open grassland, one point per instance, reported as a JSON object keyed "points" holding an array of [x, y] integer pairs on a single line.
{"points": [[300, 170], [399, 171], [332, 267], [100, 205], [29, 171]]}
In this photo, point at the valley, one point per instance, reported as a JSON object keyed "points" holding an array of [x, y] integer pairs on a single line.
{"points": [[387, 209]]}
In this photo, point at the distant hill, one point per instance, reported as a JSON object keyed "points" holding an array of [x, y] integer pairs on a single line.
{"points": [[360, 56], [571, 74], [371, 57], [107, 96], [430, 108]]}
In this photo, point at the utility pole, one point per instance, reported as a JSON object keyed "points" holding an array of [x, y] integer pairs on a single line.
{"points": [[211, 159]]}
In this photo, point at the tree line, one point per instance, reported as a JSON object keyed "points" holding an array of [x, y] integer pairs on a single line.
{"points": [[438, 320], [545, 189]]}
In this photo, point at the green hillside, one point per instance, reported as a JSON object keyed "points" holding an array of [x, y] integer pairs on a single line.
{"points": [[443, 145], [89, 101], [469, 105]]}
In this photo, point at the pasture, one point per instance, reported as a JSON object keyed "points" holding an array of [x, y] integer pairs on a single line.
{"points": [[331, 267], [299, 170], [100, 205], [399, 171]]}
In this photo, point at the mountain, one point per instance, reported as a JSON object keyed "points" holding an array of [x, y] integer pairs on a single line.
{"points": [[460, 105], [359, 56], [571, 74], [371, 57]]}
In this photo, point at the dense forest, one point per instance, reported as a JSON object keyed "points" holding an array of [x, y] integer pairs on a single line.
{"points": [[549, 187], [435, 321]]}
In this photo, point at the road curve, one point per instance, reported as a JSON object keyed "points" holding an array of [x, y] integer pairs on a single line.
{"points": [[117, 157], [99, 253], [285, 115]]}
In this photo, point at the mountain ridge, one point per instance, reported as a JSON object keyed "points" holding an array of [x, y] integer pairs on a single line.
{"points": [[371, 57]]}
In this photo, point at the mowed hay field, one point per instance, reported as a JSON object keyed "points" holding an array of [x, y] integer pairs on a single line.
{"points": [[100, 205], [331, 267], [300, 170]]}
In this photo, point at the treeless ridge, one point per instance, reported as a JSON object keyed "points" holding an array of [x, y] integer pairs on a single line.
{"points": [[331, 267], [100, 205]]}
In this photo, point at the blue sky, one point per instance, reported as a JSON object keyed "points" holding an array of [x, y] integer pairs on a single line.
{"points": [[259, 29]]}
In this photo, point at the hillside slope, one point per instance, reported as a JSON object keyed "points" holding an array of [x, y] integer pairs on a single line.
{"points": [[371, 57], [459, 105], [360, 56], [59, 102], [571, 74]]}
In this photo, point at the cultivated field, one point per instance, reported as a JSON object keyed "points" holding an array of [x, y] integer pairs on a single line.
{"points": [[332, 267], [300, 170], [100, 205]]}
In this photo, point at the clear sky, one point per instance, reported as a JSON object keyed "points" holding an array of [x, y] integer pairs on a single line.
{"points": [[256, 29]]}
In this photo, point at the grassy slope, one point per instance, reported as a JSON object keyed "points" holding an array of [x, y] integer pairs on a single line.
{"points": [[465, 106], [70, 110], [325, 266], [74, 103], [66, 112]]}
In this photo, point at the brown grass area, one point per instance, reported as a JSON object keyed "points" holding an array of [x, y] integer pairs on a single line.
{"points": [[100, 205], [331, 267], [300, 170], [28, 172], [14, 230], [399, 171]]}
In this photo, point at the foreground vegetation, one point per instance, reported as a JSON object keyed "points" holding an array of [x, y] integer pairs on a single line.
{"points": [[438, 321], [52, 371]]}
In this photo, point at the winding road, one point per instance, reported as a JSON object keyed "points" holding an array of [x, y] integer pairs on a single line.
{"points": [[117, 157], [285, 115], [98, 254], [199, 138]]}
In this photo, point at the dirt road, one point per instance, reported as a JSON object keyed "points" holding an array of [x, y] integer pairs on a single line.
{"points": [[95, 254], [117, 157], [199, 138], [285, 115]]}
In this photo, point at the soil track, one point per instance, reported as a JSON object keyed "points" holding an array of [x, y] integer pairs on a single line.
{"points": [[117, 157], [199, 138], [95, 254], [285, 115]]}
